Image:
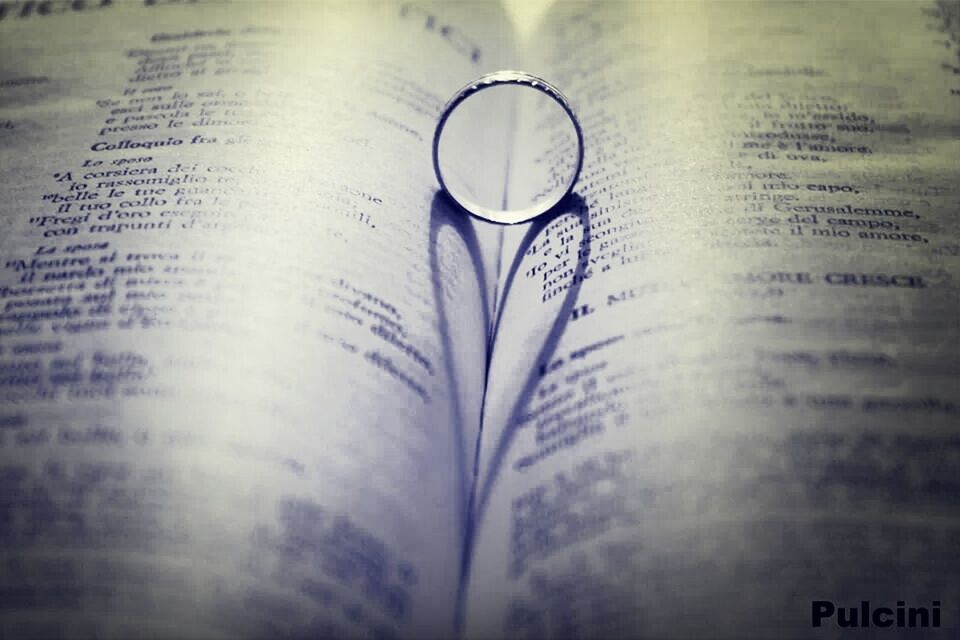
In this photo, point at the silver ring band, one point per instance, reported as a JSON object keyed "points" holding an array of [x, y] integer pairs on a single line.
{"points": [[511, 216]]}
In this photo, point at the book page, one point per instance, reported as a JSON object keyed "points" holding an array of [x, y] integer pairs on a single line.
{"points": [[749, 418], [241, 343]]}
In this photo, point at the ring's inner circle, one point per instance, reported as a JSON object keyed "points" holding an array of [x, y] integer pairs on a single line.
{"points": [[508, 148]]}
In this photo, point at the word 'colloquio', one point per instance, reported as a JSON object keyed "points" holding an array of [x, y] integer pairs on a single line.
{"points": [[132, 144]]}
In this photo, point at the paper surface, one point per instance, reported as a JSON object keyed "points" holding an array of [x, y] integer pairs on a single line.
{"points": [[753, 400], [242, 346]]}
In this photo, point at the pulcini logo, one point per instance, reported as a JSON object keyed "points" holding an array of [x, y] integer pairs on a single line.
{"points": [[824, 612]]}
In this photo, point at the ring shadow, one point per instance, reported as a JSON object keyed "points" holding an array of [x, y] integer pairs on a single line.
{"points": [[445, 213], [572, 204]]}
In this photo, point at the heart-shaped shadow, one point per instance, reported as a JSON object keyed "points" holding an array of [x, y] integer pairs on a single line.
{"points": [[445, 213]]}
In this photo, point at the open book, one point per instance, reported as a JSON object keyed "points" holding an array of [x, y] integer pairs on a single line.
{"points": [[259, 378]]}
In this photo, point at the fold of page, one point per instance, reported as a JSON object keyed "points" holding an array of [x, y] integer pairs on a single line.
{"points": [[242, 345], [754, 402]]}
